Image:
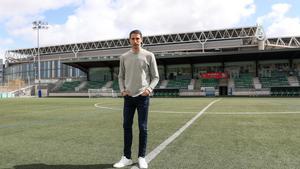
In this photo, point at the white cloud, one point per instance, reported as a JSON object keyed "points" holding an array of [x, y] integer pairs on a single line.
{"points": [[156, 16], [17, 16], [109, 19], [279, 23], [94, 20], [98, 20]]}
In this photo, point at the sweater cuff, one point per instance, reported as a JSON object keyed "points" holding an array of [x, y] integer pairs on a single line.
{"points": [[149, 89]]}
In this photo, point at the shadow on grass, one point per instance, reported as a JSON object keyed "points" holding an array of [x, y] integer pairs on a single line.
{"points": [[44, 166]]}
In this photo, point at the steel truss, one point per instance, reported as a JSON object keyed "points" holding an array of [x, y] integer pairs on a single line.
{"points": [[158, 43], [283, 42], [247, 33]]}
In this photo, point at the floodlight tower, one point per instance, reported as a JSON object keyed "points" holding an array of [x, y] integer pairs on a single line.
{"points": [[37, 25]]}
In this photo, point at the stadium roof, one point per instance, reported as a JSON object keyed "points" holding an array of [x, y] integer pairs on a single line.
{"points": [[211, 42], [174, 40], [202, 36], [191, 58]]}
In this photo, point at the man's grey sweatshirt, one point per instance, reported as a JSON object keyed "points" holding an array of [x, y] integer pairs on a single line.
{"points": [[138, 72]]}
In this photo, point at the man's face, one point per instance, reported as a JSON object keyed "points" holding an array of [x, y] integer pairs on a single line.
{"points": [[135, 40]]}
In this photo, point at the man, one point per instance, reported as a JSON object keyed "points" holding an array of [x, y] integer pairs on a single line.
{"points": [[138, 75]]}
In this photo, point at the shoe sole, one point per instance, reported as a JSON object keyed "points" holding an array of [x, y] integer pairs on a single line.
{"points": [[124, 165]]}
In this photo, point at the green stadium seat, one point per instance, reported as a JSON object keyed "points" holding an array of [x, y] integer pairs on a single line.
{"points": [[244, 80], [69, 86], [277, 79], [206, 83], [178, 84]]}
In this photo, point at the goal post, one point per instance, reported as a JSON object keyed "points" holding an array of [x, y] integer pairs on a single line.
{"points": [[106, 92]]}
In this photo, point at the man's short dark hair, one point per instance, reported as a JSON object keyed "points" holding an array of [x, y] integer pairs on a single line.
{"points": [[135, 32]]}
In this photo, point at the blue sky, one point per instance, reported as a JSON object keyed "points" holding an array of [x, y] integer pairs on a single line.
{"points": [[72, 21]]}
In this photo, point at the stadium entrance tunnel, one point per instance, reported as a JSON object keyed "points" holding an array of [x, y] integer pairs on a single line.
{"points": [[223, 90]]}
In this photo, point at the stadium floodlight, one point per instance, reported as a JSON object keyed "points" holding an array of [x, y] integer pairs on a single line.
{"points": [[37, 25]]}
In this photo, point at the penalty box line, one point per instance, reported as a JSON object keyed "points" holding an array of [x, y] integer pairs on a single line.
{"points": [[98, 105], [169, 140], [251, 113]]}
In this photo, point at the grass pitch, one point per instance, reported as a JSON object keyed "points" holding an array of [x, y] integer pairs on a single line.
{"points": [[71, 133]]}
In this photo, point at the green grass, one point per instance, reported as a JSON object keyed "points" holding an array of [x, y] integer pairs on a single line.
{"points": [[70, 133]]}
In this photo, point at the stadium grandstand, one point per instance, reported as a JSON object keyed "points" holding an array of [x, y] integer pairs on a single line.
{"points": [[226, 62]]}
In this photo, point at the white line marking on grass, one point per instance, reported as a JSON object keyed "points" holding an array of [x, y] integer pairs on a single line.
{"points": [[251, 113], [156, 111], [171, 112], [164, 144], [104, 107]]}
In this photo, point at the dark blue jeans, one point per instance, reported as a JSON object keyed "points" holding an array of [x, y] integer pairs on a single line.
{"points": [[141, 104]]}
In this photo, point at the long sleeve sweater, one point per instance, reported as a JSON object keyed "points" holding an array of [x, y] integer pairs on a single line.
{"points": [[138, 72]]}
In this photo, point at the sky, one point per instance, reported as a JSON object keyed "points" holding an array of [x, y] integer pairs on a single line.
{"points": [[74, 21]]}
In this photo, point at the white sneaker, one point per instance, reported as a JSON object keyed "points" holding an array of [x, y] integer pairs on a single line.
{"points": [[123, 162], [142, 162]]}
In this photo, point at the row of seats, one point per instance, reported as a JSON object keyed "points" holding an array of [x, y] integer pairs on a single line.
{"points": [[277, 79], [206, 83], [166, 94], [178, 84], [69, 86], [286, 92], [243, 81]]}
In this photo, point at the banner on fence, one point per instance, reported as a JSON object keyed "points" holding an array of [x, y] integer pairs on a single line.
{"points": [[214, 75]]}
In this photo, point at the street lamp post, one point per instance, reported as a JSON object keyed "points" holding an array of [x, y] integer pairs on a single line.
{"points": [[37, 25]]}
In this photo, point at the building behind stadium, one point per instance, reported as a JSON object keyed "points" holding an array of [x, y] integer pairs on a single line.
{"points": [[227, 62]]}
